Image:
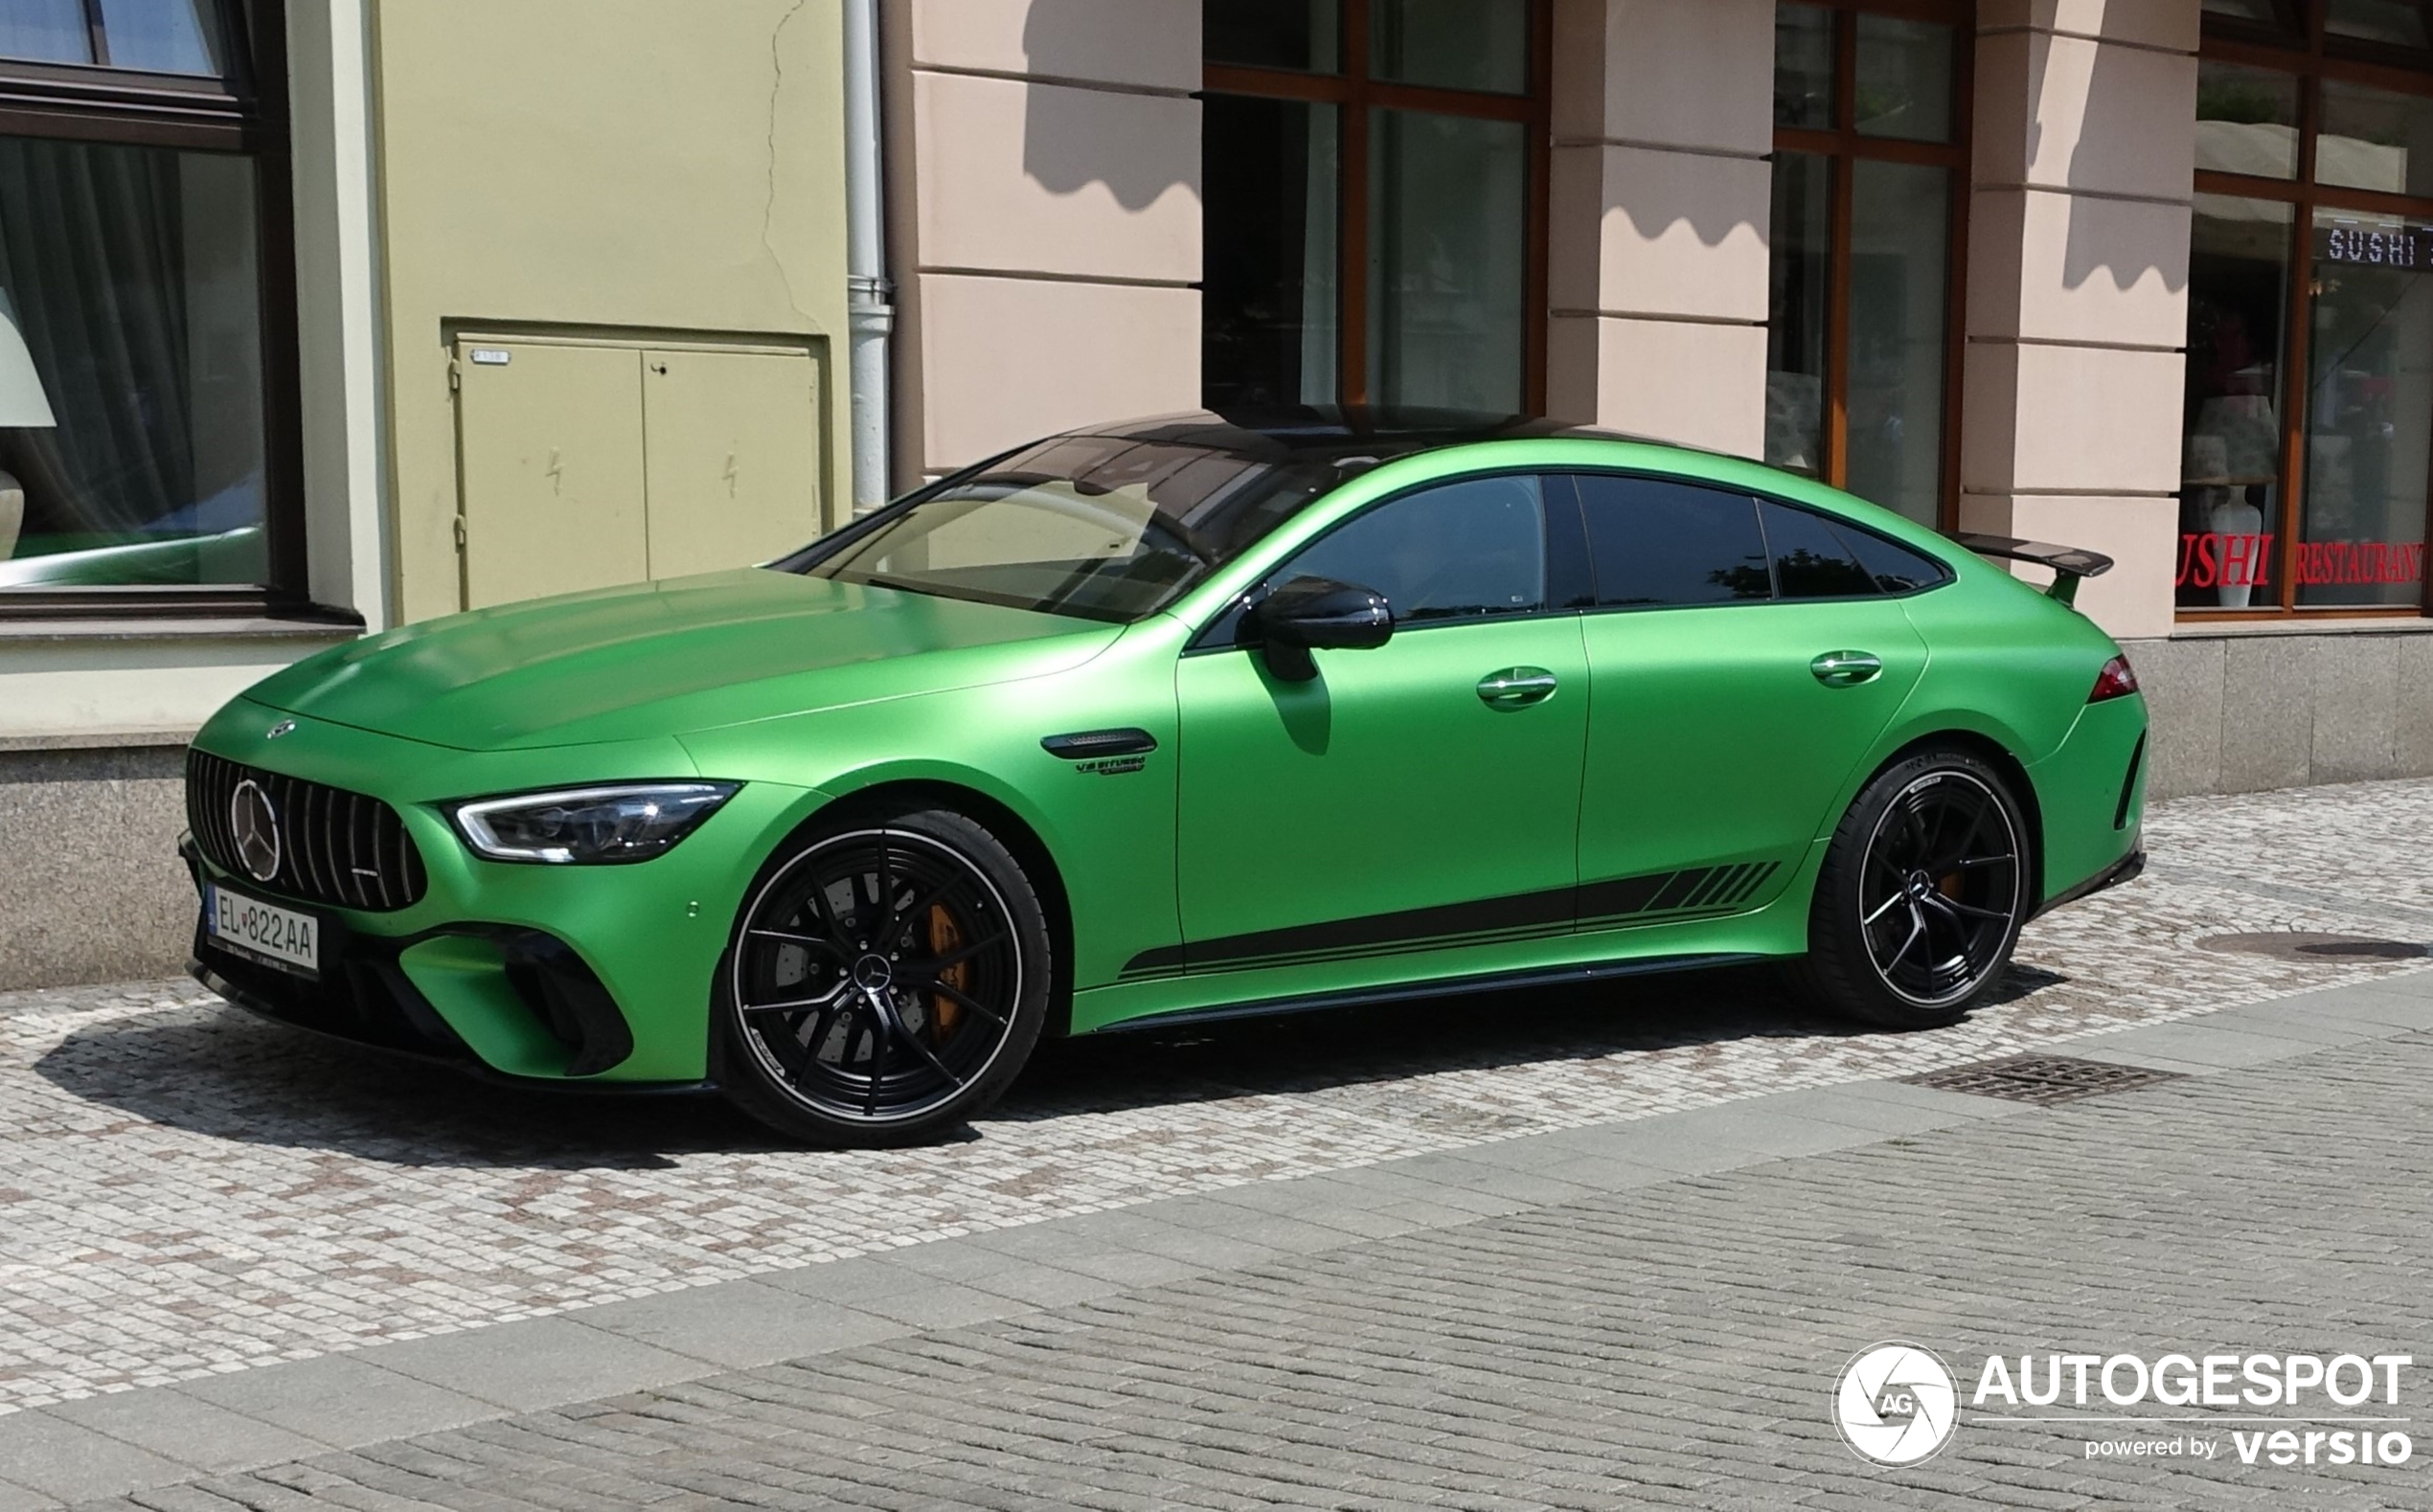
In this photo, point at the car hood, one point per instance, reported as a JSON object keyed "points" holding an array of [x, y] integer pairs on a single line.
{"points": [[667, 658]]}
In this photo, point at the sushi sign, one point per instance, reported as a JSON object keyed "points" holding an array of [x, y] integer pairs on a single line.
{"points": [[2409, 249]]}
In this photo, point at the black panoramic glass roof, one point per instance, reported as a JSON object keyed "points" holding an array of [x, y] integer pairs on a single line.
{"points": [[1117, 522]]}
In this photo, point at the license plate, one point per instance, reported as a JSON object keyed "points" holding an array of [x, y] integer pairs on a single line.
{"points": [[281, 936]]}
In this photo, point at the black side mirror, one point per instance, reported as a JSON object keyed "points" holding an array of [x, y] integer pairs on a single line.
{"points": [[1309, 613]]}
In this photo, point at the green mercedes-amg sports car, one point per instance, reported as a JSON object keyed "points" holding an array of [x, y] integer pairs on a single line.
{"points": [[1182, 717]]}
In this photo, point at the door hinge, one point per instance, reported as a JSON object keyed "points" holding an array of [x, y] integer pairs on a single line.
{"points": [[460, 532], [455, 375]]}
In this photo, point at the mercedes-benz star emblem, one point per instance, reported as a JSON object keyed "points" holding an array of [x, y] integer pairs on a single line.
{"points": [[254, 824], [285, 727]]}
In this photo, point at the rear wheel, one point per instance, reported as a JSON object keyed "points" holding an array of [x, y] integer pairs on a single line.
{"points": [[887, 978], [1923, 890]]}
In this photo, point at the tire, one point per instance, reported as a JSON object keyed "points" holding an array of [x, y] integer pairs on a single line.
{"points": [[1924, 887], [836, 1026]]}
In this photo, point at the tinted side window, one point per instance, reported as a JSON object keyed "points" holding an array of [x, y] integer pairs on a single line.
{"points": [[1659, 542], [1809, 559], [1461, 550], [1896, 568]]}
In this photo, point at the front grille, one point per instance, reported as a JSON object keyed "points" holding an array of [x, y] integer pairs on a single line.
{"points": [[334, 846]]}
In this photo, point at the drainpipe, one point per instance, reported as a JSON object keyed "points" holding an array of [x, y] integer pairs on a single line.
{"points": [[870, 316]]}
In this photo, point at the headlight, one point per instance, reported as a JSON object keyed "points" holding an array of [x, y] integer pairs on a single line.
{"points": [[627, 822]]}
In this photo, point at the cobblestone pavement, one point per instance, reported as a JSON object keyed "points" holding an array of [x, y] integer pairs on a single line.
{"points": [[185, 1193], [1673, 1344]]}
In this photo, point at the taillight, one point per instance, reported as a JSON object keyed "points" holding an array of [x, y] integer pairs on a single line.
{"points": [[2115, 681]]}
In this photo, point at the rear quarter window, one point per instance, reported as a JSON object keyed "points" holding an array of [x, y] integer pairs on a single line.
{"points": [[1899, 568]]}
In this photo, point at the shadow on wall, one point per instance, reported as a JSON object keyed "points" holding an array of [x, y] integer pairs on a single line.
{"points": [[1065, 143], [2126, 238]]}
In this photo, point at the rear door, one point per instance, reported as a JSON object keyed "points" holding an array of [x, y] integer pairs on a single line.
{"points": [[1741, 661]]}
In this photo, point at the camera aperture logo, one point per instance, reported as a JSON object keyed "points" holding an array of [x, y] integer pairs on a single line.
{"points": [[1895, 1404]]}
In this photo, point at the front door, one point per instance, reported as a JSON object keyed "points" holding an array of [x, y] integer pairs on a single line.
{"points": [[1742, 664], [1421, 794]]}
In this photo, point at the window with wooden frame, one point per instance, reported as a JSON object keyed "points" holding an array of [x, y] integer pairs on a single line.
{"points": [[2309, 418], [1375, 192], [1870, 153], [149, 448]]}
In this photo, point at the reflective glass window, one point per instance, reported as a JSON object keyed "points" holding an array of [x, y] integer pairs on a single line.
{"points": [[1810, 559], [2230, 468], [1449, 245], [1899, 240], [1451, 44], [2369, 414], [132, 430], [1268, 297], [1304, 36], [1895, 568], [1657, 543], [1803, 67], [1463, 551], [163, 36], [1904, 78], [2375, 139], [2247, 119], [2393, 23], [45, 32], [1798, 308]]}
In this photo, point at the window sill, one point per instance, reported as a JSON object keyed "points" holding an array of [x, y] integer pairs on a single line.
{"points": [[2300, 624], [259, 627], [98, 740]]}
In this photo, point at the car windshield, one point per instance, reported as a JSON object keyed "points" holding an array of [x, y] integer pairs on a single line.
{"points": [[1101, 527]]}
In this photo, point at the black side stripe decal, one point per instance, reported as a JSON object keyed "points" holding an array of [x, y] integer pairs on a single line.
{"points": [[1517, 916]]}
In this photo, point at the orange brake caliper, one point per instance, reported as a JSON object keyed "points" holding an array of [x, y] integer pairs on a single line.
{"points": [[945, 939]]}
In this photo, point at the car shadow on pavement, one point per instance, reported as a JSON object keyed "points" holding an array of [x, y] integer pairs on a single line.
{"points": [[1343, 1047], [218, 1072]]}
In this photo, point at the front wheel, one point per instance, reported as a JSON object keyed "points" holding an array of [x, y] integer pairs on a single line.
{"points": [[887, 978], [1921, 896]]}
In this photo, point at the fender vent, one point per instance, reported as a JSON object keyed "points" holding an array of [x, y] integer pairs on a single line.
{"points": [[2041, 1079]]}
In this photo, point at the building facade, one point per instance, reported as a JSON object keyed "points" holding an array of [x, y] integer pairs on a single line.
{"points": [[320, 316], [2143, 276]]}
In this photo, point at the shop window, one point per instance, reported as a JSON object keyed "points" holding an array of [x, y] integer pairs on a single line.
{"points": [[2308, 418], [1373, 195], [1861, 356], [146, 362]]}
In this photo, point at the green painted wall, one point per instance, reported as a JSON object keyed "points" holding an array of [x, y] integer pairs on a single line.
{"points": [[607, 168]]}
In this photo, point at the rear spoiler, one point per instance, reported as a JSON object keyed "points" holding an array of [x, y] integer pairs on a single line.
{"points": [[2070, 565]]}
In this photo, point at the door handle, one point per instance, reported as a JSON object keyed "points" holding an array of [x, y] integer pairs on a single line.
{"points": [[1516, 687], [1847, 668]]}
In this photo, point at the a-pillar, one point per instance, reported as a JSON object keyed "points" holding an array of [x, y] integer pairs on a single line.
{"points": [[2077, 279]]}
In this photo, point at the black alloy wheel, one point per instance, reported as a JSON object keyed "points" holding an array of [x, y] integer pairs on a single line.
{"points": [[887, 980], [1921, 896]]}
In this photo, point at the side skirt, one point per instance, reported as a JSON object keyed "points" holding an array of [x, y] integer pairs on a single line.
{"points": [[1441, 987]]}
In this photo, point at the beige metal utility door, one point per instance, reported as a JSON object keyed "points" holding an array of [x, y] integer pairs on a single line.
{"points": [[733, 457], [550, 445]]}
